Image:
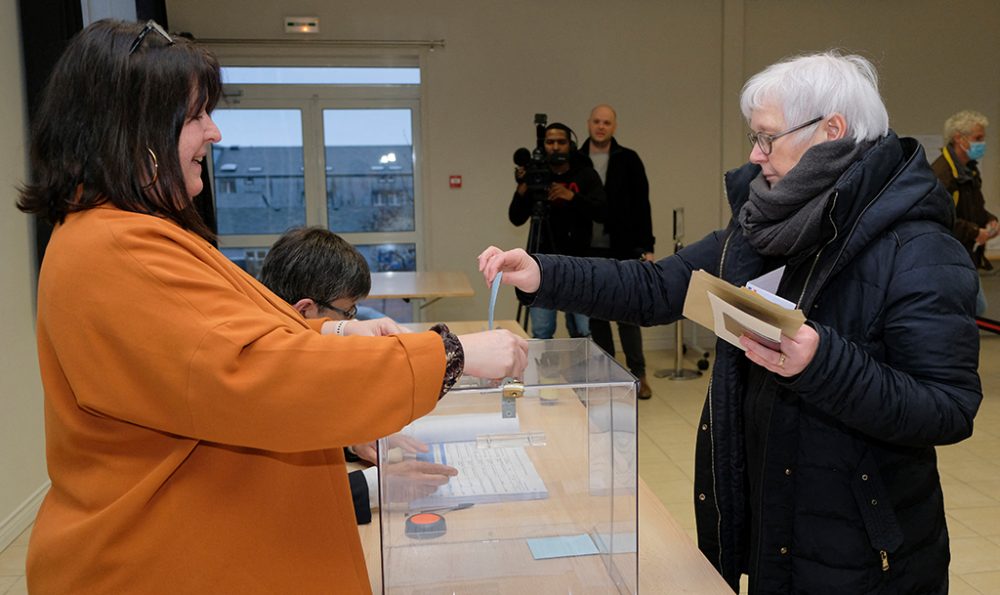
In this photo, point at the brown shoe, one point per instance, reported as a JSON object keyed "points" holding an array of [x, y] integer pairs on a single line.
{"points": [[644, 391]]}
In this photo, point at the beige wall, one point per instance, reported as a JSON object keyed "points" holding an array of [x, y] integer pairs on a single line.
{"points": [[22, 460], [933, 59]]}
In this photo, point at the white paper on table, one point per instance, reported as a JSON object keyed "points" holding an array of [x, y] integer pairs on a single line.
{"points": [[484, 475]]}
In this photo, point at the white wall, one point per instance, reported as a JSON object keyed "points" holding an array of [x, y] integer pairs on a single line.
{"points": [[22, 454]]}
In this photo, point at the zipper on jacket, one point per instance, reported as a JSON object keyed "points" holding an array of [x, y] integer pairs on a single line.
{"points": [[857, 221], [711, 425], [885, 560], [812, 268]]}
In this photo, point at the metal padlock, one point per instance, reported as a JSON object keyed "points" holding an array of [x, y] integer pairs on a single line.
{"points": [[510, 389]]}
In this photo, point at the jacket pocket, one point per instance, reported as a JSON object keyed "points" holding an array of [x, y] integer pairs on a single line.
{"points": [[876, 509]]}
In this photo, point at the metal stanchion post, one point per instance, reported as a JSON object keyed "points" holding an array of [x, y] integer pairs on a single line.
{"points": [[679, 372]]}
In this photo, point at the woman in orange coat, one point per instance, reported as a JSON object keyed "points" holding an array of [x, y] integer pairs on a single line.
{"points": [[194, 421]]}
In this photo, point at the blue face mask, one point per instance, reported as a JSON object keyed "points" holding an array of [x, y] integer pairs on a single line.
{"points": [[977, 150]]}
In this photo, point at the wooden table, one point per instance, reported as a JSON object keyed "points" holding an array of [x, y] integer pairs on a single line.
{"points": [[669, 562], [428, 286]]}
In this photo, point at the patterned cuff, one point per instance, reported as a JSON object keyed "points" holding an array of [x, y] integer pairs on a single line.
{"points": [[454, 355]]}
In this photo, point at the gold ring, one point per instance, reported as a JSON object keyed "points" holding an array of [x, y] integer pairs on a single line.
{"points": [[781, 360]]}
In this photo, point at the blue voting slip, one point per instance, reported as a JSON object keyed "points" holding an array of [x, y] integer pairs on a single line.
{"points": [[562, 546], [493, 297]]}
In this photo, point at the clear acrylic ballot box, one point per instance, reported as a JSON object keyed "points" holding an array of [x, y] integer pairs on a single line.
{"points": [[517, 487]]}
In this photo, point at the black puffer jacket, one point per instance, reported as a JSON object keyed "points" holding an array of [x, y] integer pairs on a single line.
{"points": [[629, 222], [850, 500]]}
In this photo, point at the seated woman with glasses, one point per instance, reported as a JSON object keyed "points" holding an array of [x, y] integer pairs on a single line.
{"points": [[312, 261], [815, 469], [194, 420]]}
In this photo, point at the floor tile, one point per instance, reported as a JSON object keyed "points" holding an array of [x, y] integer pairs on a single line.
{"points": [[957, 528], [958, 586], [964, 495], [20, 587], [983, 582], [985, 520], [12, 560], [974, 554]]}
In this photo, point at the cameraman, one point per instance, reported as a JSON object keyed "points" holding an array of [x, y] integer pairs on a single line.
{"points": [[566, 212]]}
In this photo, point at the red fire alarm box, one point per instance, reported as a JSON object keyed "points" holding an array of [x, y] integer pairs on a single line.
{"points": [[454, 181]]}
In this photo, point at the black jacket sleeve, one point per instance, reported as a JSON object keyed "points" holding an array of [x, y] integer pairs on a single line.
{"points": [[642, 293], [926, 390]]}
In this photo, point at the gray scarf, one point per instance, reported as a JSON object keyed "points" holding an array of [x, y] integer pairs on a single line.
{"points": [[787, 219]]}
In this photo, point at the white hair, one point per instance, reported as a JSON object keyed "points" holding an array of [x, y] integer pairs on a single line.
{"points": [[963, 123], [819, 85]]}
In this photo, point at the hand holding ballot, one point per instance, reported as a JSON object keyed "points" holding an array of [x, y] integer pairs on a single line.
{"points": [[768, 328], [792, 356]]}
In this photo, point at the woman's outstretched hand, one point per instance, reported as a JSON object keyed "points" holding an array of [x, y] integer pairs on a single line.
{"points": [[494, 354], [519, 269]]}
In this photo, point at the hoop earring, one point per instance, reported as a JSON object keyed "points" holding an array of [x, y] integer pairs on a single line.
{"points": [[156, 169]]}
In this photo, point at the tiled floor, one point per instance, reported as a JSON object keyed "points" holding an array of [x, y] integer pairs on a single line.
{"points": [[970, 470]]}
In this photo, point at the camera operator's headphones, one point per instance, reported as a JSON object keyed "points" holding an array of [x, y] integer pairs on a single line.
{"points": [[569, 134]]}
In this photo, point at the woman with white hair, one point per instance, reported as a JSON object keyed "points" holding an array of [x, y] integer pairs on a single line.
{"points": [[815, 464]]}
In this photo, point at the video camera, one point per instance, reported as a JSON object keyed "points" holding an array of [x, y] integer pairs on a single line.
{"points": [[537, 174]]}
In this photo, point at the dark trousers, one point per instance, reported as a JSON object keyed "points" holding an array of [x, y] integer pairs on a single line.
{"points": [[631, 338]]}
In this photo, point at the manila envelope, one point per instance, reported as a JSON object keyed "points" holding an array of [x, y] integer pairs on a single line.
{"points": [[737, 311]]}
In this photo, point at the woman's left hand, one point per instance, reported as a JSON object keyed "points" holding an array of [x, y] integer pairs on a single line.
{"points": [[796, 352]]}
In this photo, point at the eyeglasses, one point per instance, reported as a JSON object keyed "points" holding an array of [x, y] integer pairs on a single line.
{"points": [[151, 25], [348, 314], [764, 140]]}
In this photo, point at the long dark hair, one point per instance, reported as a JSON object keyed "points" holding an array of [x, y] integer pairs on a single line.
{"points": [[104, 110]]}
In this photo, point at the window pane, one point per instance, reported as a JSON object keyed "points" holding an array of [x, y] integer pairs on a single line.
{"points": [[369, 170], [259, 183], [248, 259], [380, 257], [390, 257], [304, 75]]}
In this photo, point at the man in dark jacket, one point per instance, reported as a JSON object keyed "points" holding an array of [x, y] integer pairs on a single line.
{"points": [[562, 215], [627, 232], [958, 170], [815, 469]]}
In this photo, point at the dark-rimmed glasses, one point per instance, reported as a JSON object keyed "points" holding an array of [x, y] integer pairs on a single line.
{"points": [[151, 25], [764, 140], [348, 314]]}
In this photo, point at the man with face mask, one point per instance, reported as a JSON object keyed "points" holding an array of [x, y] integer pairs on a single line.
{"points": [[573, 200], [958, 170]]}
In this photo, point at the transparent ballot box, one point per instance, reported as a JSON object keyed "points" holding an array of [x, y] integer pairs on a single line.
{"points": [[539, 492]]}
